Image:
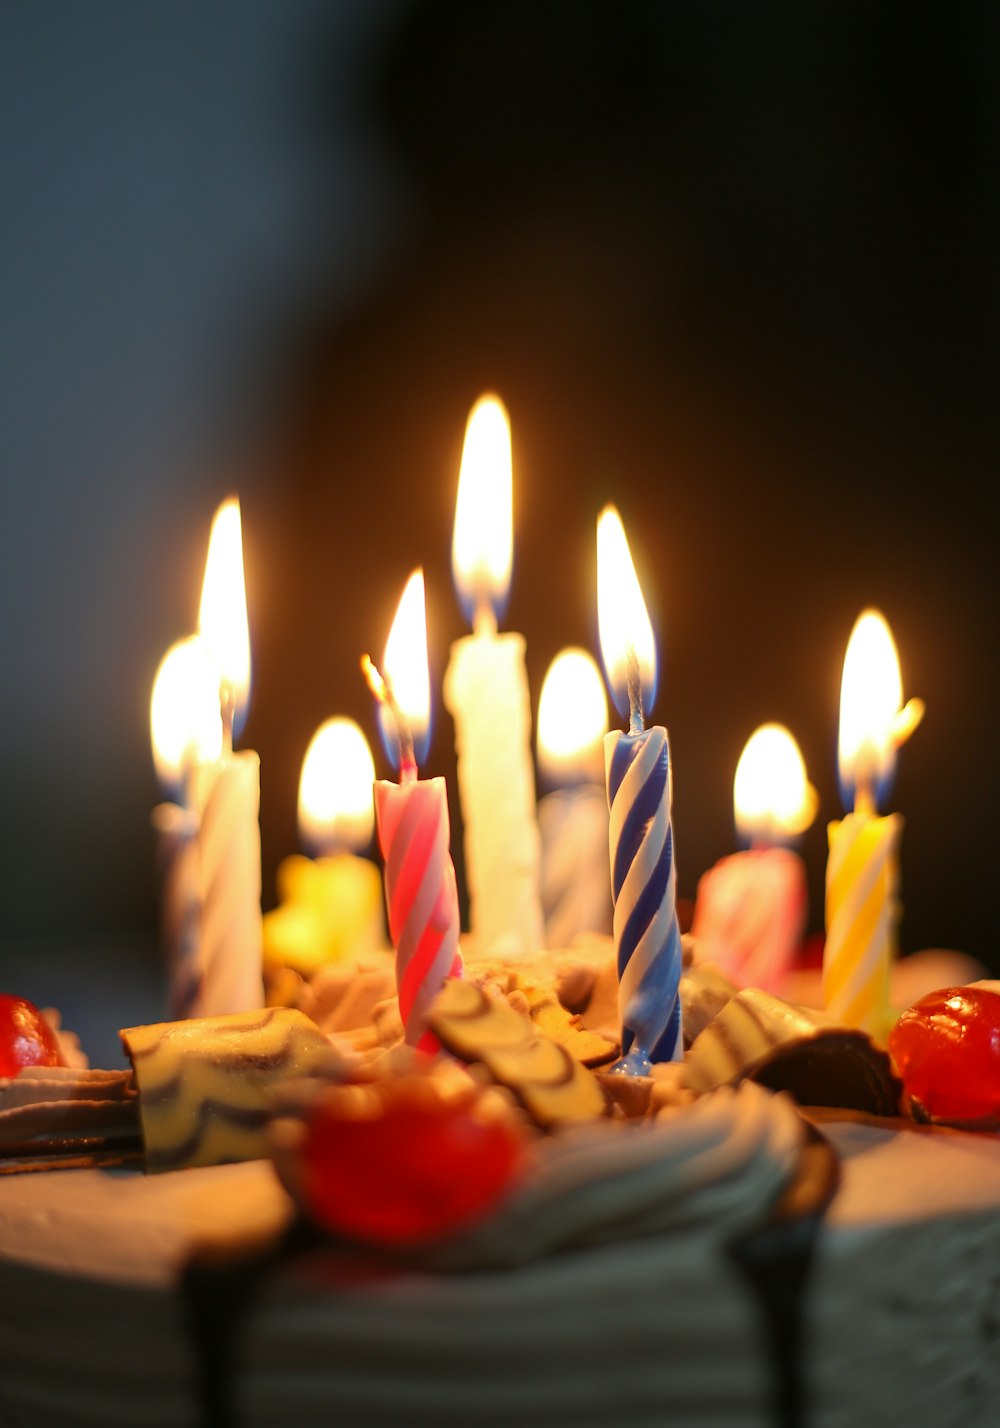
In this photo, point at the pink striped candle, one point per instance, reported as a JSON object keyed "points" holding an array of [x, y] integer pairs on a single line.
{"points": [[413, 828]]}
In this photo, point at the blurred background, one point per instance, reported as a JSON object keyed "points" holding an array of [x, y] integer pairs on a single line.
{"points": [[733, 267]]}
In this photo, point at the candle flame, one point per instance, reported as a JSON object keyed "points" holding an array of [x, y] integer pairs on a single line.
{"points": [[572, 718], [622, 619], [335, 791], [773, 800], [184, 718], [483, 541], [222, 616], [872, 722], [406, 687]]}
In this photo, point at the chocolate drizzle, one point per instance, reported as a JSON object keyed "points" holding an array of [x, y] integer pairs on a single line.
{"points": [[776, 1259]]}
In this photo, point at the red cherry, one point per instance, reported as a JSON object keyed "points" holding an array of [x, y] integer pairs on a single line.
{"points": [[402, 1162], [947, 1050], [26, 1039]]}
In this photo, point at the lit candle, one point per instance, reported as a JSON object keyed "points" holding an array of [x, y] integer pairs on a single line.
{"points": [[573, 819], [413, 828], [751, 907], [330, 906], [486, 691], [637, 766], [862, 874], [186, 730], [227, 794]]}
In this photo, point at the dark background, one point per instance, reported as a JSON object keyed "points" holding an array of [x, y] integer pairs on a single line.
{"points": [[733, 267]]}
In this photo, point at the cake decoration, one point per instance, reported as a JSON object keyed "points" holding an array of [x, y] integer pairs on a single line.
{"points": [[413, 828], [399, 1160], [205, 1085], [751, 907], [486, 693], [862, 873], [330, 904], [26, 1038], [947, 1050], [637, 766], [760, 1037], [553, 1087]]}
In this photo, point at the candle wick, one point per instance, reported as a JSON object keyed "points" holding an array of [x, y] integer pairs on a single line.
{"points": [[484, 621], [633, 683], [381, 686], [864, 797], [227, 701]]}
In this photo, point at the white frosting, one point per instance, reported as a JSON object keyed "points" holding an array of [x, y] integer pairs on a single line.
{"points": [[633, 1313]]}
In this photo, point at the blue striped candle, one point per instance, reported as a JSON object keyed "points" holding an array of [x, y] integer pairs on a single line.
{"points": [[643, 879], [637, 768]]}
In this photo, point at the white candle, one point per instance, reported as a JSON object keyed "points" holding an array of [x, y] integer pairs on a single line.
{"points": [[751, 907], [186, 730], [573, 819], [228, 792], [209, 843], [486, 691]]}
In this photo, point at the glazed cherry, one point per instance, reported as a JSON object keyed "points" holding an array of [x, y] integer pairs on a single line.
{"points": [[26, 1039], [947, 1049], [402, 1163]]}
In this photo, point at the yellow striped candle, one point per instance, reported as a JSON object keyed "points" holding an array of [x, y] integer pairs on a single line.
{"points": [[862, 913], [862, 871]]}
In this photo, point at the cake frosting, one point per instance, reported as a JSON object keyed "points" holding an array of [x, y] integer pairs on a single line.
{"points": [[677, 1269]]}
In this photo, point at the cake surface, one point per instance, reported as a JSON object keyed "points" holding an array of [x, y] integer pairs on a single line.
{"points": [[654, 1328]]}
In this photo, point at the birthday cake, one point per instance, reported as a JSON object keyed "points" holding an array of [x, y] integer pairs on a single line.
{"points": [[704, 1259]]}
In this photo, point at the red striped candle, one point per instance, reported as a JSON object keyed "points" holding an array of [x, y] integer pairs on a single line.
{"points": [[413, 828]]}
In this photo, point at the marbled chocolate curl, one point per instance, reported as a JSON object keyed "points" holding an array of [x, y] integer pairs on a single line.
{"points": [[646, 932], [420, 892]]}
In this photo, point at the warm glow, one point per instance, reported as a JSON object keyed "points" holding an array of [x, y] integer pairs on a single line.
{"points": [[483, 542], [405, 662], [572, 718], [872, 723], [771, 794], [222, 618], [184, 718], [621, 614], [335, 791]]}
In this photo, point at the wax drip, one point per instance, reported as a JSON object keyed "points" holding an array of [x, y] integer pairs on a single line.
{"points": [[633, 682]]}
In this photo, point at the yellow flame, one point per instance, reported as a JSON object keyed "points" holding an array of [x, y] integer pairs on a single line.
{"points": [[622, 619], [772, 797], [184, 718], [483, 541], [335, 790], [405, 661], [222, 617], [572, 717], [872, 722]]}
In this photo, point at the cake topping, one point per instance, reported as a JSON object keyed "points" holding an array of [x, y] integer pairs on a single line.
{"points": [[402, 1160], [759, 1037], [26, 1038], [947, 1050], [205, 1084], [553, 1087]]}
